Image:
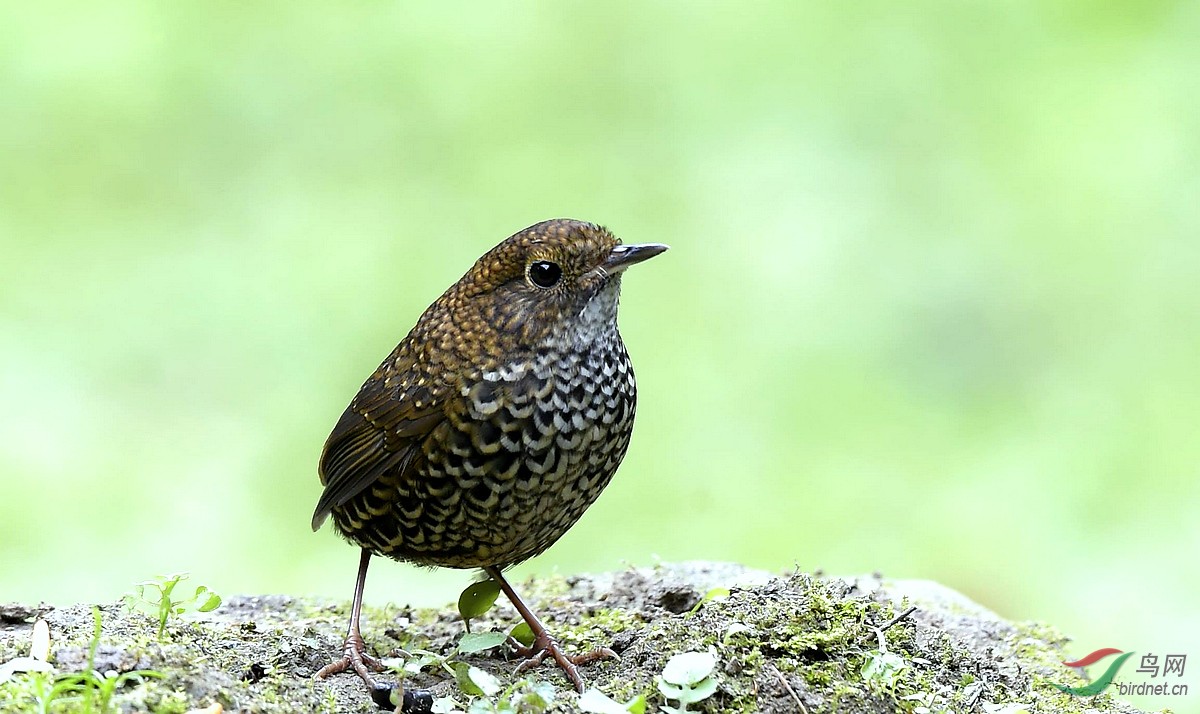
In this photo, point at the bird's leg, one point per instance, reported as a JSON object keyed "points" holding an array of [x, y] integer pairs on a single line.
{"points": [[353, 656], [543, 643]]}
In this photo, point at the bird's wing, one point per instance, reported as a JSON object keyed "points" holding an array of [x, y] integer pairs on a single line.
{"points": [[381, 430]]}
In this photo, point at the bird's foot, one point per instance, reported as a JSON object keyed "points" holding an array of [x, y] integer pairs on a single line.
{"points": [[353, 657], [546, 646]]}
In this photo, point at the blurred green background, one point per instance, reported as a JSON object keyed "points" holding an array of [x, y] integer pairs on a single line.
{"points": [[931, 307]]}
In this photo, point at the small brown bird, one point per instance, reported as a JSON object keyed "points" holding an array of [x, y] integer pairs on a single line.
{"points": [[493, 425]]}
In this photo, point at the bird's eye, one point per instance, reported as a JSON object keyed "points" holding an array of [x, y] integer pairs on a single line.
{"points": [[544, 274]]}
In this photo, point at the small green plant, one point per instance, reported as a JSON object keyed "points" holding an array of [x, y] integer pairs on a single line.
{"points": [[714, 594], [471, 681], [475, 681], [90, 691], [477, 599], [94, 691], [469, 643], [157, 597], [485, 696], [473, 642], [41, 689], [687, 678], [482, 692], [882, 670]]}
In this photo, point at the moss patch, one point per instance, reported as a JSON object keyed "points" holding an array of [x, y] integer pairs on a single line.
{"points": [[778, 640]]}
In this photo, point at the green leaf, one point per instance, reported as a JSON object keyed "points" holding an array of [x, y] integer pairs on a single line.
{"points": [[473, 680], [477, 599], [463, 679], [883, 668], [670, 691], [537, 698], [523, 633], [637, 705], [597, 702], [212, 603], [487, 683], [698, 693], [479, 641], [688, 668], [422, 659], [168, 584], [735, 629]]}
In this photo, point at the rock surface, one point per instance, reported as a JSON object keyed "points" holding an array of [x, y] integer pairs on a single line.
{"points": [[793, 643]]}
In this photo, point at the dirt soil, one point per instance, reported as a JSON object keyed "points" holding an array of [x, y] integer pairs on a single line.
{"points": [[783, 643]]}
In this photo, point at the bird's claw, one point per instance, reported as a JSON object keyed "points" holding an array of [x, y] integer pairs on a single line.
{"points": [[353, 657], [569, 664]]}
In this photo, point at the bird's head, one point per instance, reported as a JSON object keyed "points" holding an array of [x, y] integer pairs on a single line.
{"points": [[557, 279]]}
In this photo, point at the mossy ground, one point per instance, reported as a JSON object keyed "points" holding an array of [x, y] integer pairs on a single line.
{"points": [[788, 644]]}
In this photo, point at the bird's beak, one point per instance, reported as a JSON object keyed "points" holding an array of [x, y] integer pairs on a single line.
{"points": [[624, 256]]}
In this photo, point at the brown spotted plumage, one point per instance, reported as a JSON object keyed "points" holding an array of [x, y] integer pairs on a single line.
{"points": [[496, 422]]}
